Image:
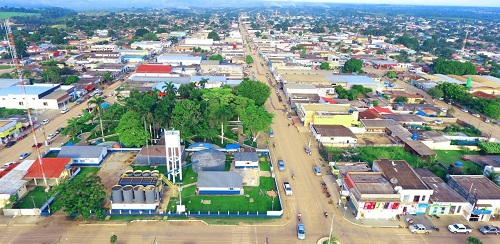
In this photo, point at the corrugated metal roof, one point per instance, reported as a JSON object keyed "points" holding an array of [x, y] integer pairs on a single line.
{"points": [[246, 156], [13, 181], [80, 152], [219, 179]]}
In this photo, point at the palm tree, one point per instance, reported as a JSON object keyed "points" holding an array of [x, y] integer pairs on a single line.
{"points": [[202, 82], [169, 88], [494, 176], [98, 101]]}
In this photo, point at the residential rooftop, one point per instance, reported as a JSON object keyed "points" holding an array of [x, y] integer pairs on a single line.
{"points": [[400, 173]]}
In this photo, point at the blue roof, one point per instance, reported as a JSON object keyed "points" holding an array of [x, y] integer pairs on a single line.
{"points": [[30, 90], [201, 145], [232, 146]]}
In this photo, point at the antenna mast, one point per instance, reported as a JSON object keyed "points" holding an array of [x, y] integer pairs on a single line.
{"points": [[15, 58]]}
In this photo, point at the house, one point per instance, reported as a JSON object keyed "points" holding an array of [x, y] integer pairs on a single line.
{"points": [[481, 193], [413, 191], [12, 181], [340, 169], [333, 135], [38, 96], [219, 183], [377, 125], [153, 70], [151, 45], [246, 160], [208, 66], [84, 155], [490, 163], [444, 200], [327, 114], [371, 195], [55, 170], [8, 128]]}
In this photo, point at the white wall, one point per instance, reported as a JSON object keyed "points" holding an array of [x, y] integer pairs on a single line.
{"points": [[246, 164], [133, 206]]}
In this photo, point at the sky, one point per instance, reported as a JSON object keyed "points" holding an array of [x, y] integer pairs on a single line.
{"points": [[99, 4]]}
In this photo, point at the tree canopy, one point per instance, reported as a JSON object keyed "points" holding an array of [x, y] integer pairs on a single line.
{"points": [[215, 57], [324, 66], [255, 90], [401, 99], [249, 59], [444, 66], [213, 35], [131, 130], [352, 65]]}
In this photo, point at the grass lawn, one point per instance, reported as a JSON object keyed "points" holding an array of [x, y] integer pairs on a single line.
{"points": [[51, 154], [261, 201], [6, 15], [6, 67], [448, 157], [235, 220], [264, 166], [88, 127], [369, 154], [37, 196], [60, 26], [74, 140], [88, 171]]}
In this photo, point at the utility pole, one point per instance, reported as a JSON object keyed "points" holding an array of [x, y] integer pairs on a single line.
{"points": [[331, 230]]}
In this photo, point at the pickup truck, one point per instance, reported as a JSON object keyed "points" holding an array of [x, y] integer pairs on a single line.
{"points": [[419, 229], [287, 188], [459, 228]]}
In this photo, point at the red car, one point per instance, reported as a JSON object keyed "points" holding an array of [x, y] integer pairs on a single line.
{"points": [[465, 158], [37, 145]]}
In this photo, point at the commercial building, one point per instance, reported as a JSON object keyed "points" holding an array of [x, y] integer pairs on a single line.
{"points": [[83, 155], [327, 114], [246, 160], [333, 135], [219, 183], [39, 96]]}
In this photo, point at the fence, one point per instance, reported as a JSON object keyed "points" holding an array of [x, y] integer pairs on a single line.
{"points": [[267, 214]]}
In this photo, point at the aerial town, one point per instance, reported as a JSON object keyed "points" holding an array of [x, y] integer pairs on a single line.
{"points": [[269, 122]]}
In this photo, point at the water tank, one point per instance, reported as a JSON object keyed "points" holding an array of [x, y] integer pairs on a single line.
{"points": [[129, 173], [155, 173], [128, 194], [139, 194], [458, 164], [414, 136], [150, 194], [116, 194], [138, 173], [146, 173], [469, 81]]}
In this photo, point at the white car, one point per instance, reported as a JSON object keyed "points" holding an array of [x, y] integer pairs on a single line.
{"points": [[287, 188], [6, 165], [24, 155], [443, 110], [476, 115], [64, 110], [50, 136], [465, 110], [45, 121], [438, 122]]}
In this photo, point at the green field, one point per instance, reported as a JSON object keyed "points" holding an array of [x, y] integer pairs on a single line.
{"points": [[6, 67], [34, 199], [448, 157], [6, 15]]}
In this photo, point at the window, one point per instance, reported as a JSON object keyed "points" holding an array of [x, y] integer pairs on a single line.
{"points": [[21, 103], [423, 198], [406, 198], [45, 104], [416, 198]]}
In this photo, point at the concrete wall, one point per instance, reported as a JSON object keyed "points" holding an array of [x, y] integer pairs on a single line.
{"points": [[22, 212]]}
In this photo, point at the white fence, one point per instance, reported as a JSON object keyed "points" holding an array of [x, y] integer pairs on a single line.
{"points": [[22, 212]]}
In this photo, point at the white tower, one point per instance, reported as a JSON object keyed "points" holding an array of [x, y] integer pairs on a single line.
{"points": [[173, 153]]}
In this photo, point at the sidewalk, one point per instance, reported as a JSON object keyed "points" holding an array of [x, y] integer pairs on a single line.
{"points": [[20, 220]]}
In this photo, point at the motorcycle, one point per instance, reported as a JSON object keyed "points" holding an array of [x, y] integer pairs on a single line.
{"points": [[326, 215], [299, 216]]}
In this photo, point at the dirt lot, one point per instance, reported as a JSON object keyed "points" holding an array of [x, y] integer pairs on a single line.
{"points": [[375, 138], [114, 166]]}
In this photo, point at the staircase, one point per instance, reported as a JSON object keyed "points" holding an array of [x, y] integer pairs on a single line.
{"points": [[175, 189]]}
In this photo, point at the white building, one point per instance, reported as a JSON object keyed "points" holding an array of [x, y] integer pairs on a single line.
{"points": [[102, 32], [178, 59], [104, 48], [84, 155], [38, 96], [333, 135], [414, 193], [151, 45], [246, 160]]}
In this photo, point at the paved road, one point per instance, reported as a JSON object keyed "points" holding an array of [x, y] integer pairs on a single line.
{"points": [[56, 120]]}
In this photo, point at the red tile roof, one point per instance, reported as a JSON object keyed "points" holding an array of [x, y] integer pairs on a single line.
{"points": [[381, 110], [328, 100], [53, 167], [484, 95], [154, 68], [370, 114], [8, 169]]}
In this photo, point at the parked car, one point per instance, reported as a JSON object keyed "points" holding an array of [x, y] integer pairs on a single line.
{"points": [[465, 110], [37, 145], [6, 165], [438, 122], [490, 229], [78, 101], [287, 188], [317, 170], [459, 228], [301, 231], [59, 130], [308, 151], [10, 144], [64, 110], [45, 121], [51, 136], [24, 155], [419, 228], [271, 133], [281, 165], [476, 115], [487, 121]]}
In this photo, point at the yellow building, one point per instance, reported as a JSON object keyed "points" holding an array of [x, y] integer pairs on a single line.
{"points": [[9, 127], [327, 114]]}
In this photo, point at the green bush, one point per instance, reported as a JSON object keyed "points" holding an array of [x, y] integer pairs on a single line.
{"points": [[490, 147]]}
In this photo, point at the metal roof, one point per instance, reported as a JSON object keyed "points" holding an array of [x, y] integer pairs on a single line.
{"points": [[13, 181], [219, 179], [80, 152], [246, 156], [30, 90]]}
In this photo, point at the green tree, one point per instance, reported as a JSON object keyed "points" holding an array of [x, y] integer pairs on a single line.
{"points": [[380, 51], [473, 240], [401, 99], [435, 92], [375, 102], [258, 34], [131, 130], [97, 101], [107, 76], [490, 147], [257, 91], [352, 65], [150, 37], [249, 59], [83, 195], [141, 32], [113, 239], [215, 57], [185, 117], [492, 110], [71, 79], [324, 66], [391, 74], [255, 119], [320, 39], [52, 74], [214, 36]]}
